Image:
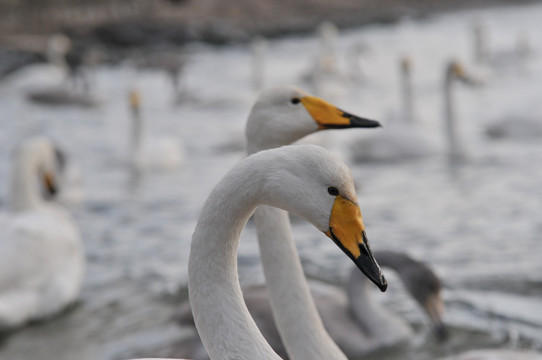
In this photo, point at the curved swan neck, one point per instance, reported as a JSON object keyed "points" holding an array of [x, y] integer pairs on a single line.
{"points": [[221, 316], [25, 189], [450, 123], [294, 311], [137, 130]]}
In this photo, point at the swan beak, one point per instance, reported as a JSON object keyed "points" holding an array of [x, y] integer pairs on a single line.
{"points": [[347, 230], [434, 306], [49, 183], [328, 116]]}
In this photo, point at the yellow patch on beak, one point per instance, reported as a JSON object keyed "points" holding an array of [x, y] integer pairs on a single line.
{"points": [[49, 182], [324, 113], [135, 99], [458, 69], [346, 225]]}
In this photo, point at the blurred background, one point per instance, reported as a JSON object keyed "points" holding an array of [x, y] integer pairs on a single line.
{"points": [[100, 77]]}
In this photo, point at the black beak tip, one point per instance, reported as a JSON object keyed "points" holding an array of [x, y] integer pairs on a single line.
{"points": [[441, 331], [383, 286]]}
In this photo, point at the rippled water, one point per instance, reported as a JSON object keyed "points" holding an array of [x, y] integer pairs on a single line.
{"points": [[478, 225]]}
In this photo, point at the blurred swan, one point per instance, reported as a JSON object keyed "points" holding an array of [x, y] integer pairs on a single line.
{"points": [[403, 138], [496, 354], [51, 73], [454, 72], [349, 315], [512, 57], [41, 254], [324, 75], [305, 180], [153, 153], [69, 191], [515, 128], [47, 83]]}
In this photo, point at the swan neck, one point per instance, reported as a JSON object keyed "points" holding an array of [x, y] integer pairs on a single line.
{"points": [[298, 322], [375, 320], [450, 123], [407, 95], [220, 314], [137, 131], [25, 189]]}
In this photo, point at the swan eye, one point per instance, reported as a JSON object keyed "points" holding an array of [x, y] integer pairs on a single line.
{"points": [[295, 101], [333, 191]]}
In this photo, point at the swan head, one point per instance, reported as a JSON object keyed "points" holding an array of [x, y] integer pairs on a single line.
{"points": [[285, 114], [314, 184], [134, 98], [35, 165], [456, 71], [406, 64]]}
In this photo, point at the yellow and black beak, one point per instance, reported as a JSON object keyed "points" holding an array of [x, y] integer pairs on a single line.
{"points": [[49, 182], [347, 230], [328, 116]]}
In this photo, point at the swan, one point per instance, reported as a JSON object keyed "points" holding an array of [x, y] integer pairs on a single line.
{"points": [[41, 255], [454, 72], [349, 315], [305, 180], [515, 128], [496, 354], [404, 138], [498, 59], [324, 74], [157, 152]]}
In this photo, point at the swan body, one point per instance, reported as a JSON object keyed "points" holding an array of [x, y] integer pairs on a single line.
{"points": [[512, 57], [403, 138], [496, 354], [355, 321], [151, 152], [305, 180], [41, 254], [515, 128]]}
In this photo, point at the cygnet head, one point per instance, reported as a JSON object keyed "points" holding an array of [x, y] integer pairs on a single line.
{"points": [[315, 184], [424, 286], [284, 114]]}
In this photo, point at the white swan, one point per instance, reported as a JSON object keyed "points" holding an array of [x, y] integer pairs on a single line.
{"points": [[403, 138], [496, 354], [41, 254], [156, 152], [454, 72], [280, 116], [355, 321], [305, 180], [514, 56], [516, 128]]}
